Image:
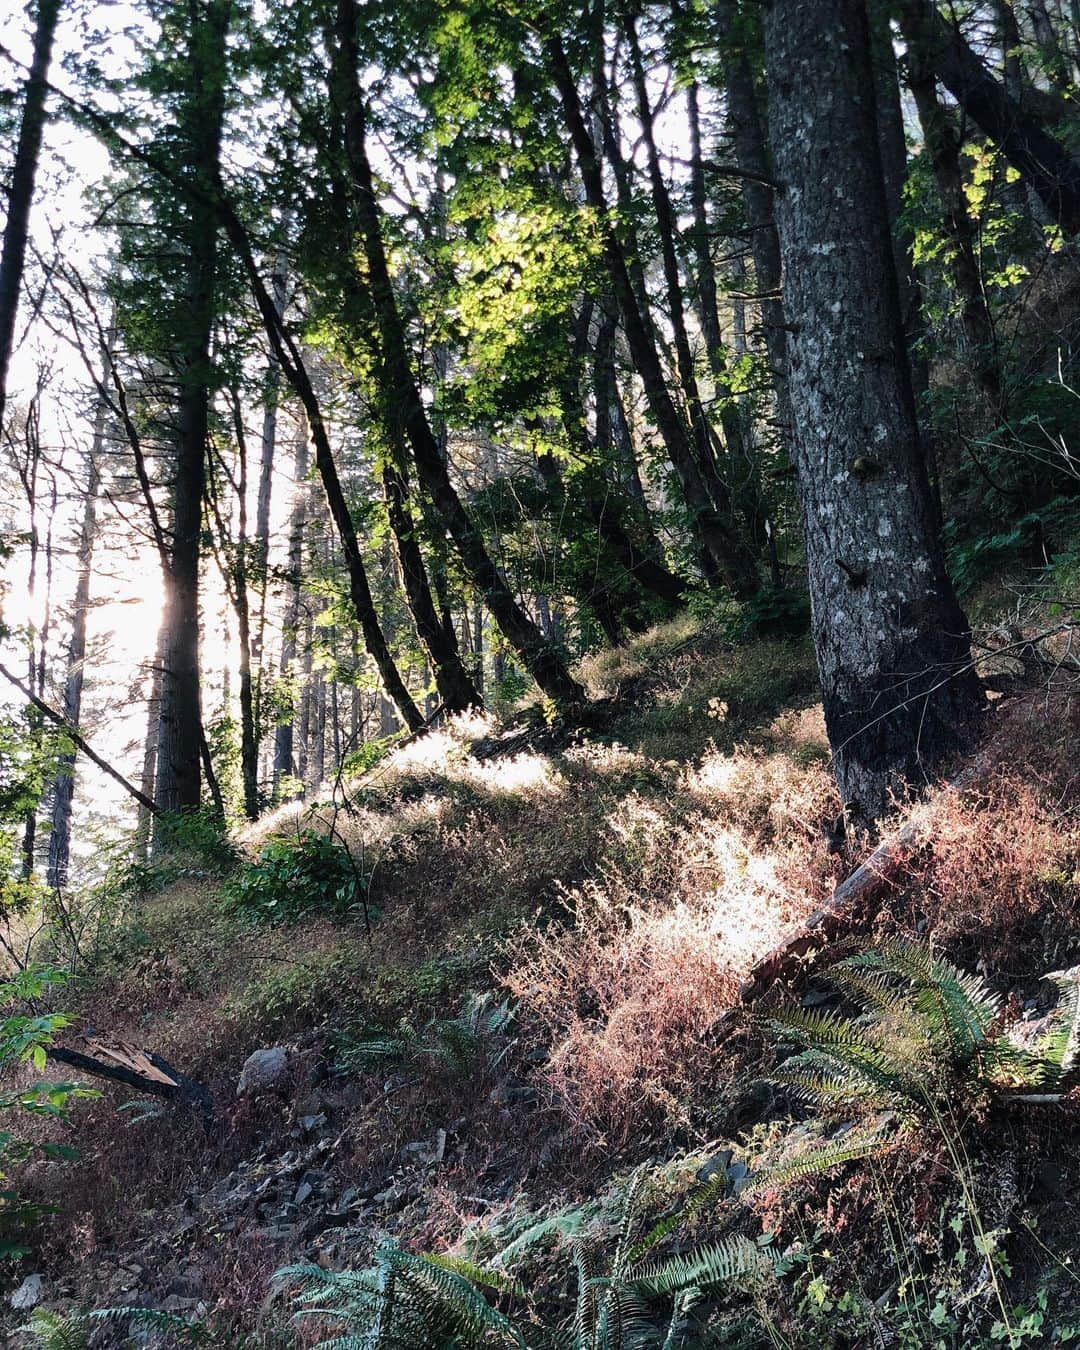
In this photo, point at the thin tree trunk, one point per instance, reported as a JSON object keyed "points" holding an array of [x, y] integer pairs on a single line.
{"points": [[60, 837], [283, 734], [456, 689], [21, 191], [267, 447], [943, 146], [892, 643], [148, 777], [727, 558], [718, 485]]}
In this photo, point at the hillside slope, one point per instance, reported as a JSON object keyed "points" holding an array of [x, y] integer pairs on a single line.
{"points": [[524, 1000]]}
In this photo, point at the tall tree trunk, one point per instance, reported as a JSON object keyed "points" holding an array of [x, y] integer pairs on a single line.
{"points": [[719, 487], [21, 191], [60, 837], [148, 776], [539, 657], [179, 745], [264, 493], [751, 155], [892, 644], [892, 142]]}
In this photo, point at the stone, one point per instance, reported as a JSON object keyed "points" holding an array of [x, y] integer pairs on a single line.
{"points": [[30, 1293], [263, 1069]]}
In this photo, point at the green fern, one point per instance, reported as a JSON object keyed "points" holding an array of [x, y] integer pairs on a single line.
{"points": [[925, 1031], [58, 1331], [714, 1265], [1059, 1048]]}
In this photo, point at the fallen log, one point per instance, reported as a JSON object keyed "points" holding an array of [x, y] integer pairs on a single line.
{"points": [[852, 906], [120, 1062]]}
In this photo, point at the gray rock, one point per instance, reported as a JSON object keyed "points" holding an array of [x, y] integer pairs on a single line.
{"points": [[264, 1069], [30, 1293]]}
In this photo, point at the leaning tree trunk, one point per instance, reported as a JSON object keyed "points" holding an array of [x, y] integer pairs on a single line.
{"points": [[892, 643], [456, 689], [21, 190], [1042, 160], [944, 145]]}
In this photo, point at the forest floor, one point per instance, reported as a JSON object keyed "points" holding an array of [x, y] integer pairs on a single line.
{"points": [[530, 1006]]}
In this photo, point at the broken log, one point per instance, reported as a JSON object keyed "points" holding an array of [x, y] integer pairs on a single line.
{"points": [[141, 1069]]}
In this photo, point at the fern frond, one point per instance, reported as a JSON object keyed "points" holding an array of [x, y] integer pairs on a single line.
{"points": [[816, 1161], [630, 1207], [58, 1331], [462, 1307], [717, 1263], [715, 1188], [474, 1272], [826, 1081], [566, 1223], [155, 1319], [958, 1008], [1059, 1048]]}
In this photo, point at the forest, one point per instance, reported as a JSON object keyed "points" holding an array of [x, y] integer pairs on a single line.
{"points": [[540, 674]]}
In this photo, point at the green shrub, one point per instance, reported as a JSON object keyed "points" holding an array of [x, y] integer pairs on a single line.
{"points": [[25, 1037], [296, 876]]}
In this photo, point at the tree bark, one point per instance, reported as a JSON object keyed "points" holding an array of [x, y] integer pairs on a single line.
{"points": [[892, 643], [21, 192], [751, 155], [283, 733]]}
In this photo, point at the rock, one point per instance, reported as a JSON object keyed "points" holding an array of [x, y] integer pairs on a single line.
{"points": [[263, 1069], [30, 1293]]}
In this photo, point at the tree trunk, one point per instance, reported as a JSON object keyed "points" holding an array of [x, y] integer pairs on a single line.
{"points": [[179, 745], [60, 838], [892, 644], [21, 191], [751, 156], [718, 486], [264, 493], [148, 777], [456, 689], [943, 146], [283, 734], [892, 142]]}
